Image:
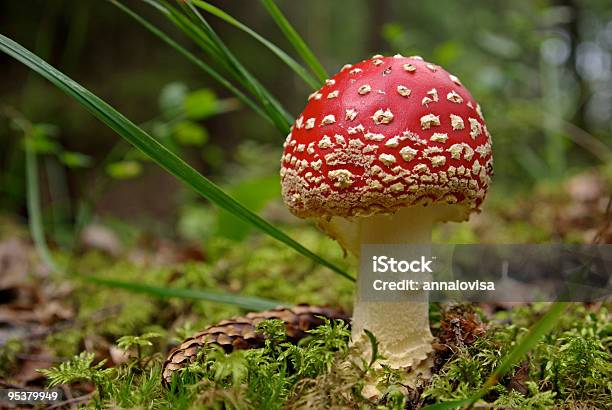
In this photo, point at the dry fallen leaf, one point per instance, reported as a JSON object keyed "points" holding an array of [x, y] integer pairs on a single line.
{"points": [[101, 238]]}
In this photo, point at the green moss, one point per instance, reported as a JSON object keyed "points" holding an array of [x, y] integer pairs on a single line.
{"points": [[570, 365], [568, 369], [534, 399], [8, 356], [66, 343]]}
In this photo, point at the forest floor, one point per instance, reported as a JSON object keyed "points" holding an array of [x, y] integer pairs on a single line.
{"points": [[113, 342]]}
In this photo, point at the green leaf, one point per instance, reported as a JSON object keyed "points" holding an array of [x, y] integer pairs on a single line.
{"points": [[144, 340], [241, 73], [79, 368], [256, 194], [75, 159], [41, 144], [246, 302], [200, 104], [124, 169], [392, 32], [300, 46], [172, 96], [190, 133], [44, 130], [294, 65], [448, 52], [148, 145], [373, 345], [197, 222]]}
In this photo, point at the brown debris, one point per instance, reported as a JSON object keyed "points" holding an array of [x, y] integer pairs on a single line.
{"points": [[460, 326], [519, 378], [240, 333], [14, 262], [38, 357], [101, 238], [577, 211], [588, 207]]}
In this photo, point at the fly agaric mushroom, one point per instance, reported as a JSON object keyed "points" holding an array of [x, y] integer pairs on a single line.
{"points": [[383, 150]]}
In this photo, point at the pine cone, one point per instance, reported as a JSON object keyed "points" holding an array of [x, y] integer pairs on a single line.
{"points": [[240, 333]]}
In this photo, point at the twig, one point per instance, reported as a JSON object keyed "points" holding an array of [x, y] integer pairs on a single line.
{"points": [[39, 358], [74, 400], [588, 141], [67, 392], [9, 385], [584, 139]]}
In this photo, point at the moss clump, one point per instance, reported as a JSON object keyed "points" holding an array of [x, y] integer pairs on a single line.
{"points": [[257, 266], [569, 367]]}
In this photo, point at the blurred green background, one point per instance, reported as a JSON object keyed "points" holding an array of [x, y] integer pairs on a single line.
{"points": [[541, 70]]}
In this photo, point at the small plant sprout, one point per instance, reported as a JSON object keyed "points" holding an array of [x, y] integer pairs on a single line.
{"points": [[401, 146], [137, 342], [79, 368]]}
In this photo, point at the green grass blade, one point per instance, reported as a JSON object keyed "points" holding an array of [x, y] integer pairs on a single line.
{"points": [[152, 148], [187, 26], [259, 90], [298, 43], [193, 59], [246, 302], [37, 231], [294, 65], [202, 40], [537, 331], [204, 36], [34, 212]]}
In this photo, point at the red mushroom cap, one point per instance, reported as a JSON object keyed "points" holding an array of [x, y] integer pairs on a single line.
{"points": [[383, 134]]}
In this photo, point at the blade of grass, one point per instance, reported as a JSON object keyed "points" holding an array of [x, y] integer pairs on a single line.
{"points": [[537, 331], [157, 152], [187, 26], [246, 302], [204, 36], [202, 40], [191, 25], [36, 227], [250, 80], [294, 65], [193, 59], [33, 202], [528, 342], [298, 43]]}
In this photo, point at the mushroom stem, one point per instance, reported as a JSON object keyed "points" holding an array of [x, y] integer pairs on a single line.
{"points": [[401, 328], [408, 225]]}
